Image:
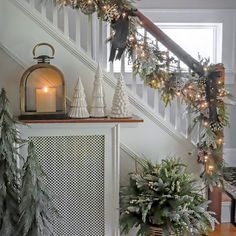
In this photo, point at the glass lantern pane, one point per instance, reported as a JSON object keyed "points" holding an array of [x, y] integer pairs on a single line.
{"points": [[44, 91]]}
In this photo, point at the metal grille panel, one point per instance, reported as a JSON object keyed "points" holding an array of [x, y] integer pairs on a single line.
{"points": [[75, 169]]}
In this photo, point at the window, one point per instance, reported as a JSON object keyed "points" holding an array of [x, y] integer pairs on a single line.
{"points": [[204, 39]]}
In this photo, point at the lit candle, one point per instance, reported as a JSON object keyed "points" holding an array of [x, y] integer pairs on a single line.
{"points": [[46, 99]]}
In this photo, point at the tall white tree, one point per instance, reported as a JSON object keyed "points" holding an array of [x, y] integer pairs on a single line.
{"points": [[120, 104], [98, 107], [78, 107]]}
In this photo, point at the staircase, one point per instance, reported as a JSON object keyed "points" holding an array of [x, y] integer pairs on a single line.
{"points": [[79, 43]]}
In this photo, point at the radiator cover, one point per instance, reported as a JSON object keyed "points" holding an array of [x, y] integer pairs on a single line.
{"points": [[75, 169]]}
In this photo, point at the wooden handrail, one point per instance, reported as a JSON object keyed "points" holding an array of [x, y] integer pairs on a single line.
{"points": [[157, 33]]}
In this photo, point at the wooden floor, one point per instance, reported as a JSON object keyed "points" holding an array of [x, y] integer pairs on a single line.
{"points": [[224, 230]]}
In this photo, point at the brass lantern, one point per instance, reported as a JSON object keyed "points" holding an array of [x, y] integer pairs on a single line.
{"points": [[42, 89]]}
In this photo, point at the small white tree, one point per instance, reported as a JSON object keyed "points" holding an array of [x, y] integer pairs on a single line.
{"points": [[98, 107], [120, 104], [78, 107]]}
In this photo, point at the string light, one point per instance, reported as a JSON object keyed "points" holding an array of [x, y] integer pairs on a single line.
{"points": [[210, 168], [220, 141], [178, 93], [124, 14]]}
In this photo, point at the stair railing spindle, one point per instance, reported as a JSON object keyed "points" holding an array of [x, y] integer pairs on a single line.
{"points": [[100, 41], [178, 103], [44, 9], [32, 3], [78, 29], [55, 15], [66, 21], [167, 109], [89, 35], [145, 89], [189, 120]]}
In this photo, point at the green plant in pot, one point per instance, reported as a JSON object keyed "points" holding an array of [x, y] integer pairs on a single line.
{"points": [[163, 199]]}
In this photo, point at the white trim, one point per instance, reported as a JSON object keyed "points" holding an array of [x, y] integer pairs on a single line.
{"points": [[129, 152], [13, 56], [92, 65]]}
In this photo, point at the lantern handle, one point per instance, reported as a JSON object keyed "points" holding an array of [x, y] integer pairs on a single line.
{"points": [[43, 44]]}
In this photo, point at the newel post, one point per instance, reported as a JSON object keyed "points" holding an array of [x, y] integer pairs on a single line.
{"points": [[216, 194]]}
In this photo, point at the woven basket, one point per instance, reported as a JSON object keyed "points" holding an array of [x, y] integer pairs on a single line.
{"points": [[156, 231]]}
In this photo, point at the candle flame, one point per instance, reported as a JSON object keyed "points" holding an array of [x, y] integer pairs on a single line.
{"points": [[45, 89]]}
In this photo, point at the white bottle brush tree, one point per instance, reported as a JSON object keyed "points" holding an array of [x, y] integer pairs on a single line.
{"points": [[78, 107], [98, 107], [18, 216], [120, 104]]}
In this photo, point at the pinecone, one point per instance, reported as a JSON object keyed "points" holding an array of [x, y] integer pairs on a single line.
{"points": [[88, 7], [216, 126], [110, 13], [202, 82]]}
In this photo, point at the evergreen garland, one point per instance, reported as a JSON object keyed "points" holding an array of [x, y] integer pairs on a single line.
{"points": [[35, 207], [9, 172], [203, 92]]}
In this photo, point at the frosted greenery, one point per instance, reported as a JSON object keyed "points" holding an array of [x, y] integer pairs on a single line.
{"points": [[164, 195], [25, 203], [35, 206], [9, 188]]}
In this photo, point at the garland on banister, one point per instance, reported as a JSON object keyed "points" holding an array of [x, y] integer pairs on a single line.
{"points": [[203, 94]]}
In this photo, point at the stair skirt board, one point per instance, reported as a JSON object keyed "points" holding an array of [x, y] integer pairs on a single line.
{"points": [[225, 209]]}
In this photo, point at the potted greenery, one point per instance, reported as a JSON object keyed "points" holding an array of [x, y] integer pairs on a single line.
{"points": [[164, 200]]}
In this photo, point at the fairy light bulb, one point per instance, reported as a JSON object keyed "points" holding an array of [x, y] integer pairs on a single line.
{"points": [[143, 54], [178, 93], [45, 89], [206, 123], [210, 168], [220, 141]]}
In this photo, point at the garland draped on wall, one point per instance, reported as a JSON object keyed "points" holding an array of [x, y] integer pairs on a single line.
{"points": [[203, 93]]}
